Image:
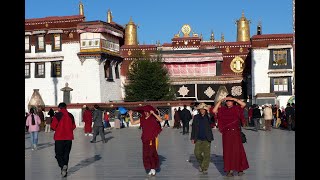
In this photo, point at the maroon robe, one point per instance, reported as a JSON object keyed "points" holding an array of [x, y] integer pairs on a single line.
{"points": [[150, 130], [87, 118], [234, 155]]}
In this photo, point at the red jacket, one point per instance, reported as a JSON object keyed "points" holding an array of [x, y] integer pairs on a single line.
{"points": [[63, 124]]}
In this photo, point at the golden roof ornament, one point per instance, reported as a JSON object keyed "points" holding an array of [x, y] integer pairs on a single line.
{"points": [[243, 28], [222, 37], [109, 16], [81, 11], [131, 33], [186, 29], [212, 36], [177, 35]]}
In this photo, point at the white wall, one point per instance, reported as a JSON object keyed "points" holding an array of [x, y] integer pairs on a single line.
{"points": [[260, 65], [260, 78]]}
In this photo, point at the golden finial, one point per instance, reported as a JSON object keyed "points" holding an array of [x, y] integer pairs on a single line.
{"points": [[109, 16], [212, 36], [243, 28], [222, 37], [81, 11], [131, 33], [242, 14]]}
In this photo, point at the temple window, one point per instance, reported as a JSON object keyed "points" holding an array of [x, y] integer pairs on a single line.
{"points": [[39, 70], [27, 44], [281, 85], [56, 68], [117, 71], [27, 70], [56, 43], [108, 71], [40, 44], [280, 58]]}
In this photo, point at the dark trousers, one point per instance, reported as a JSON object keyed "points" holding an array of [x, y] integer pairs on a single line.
{"points": [[98, 130], [185, 126], [166, 123], [62, 149]]}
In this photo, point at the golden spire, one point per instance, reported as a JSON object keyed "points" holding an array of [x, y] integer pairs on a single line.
{"points": [[131, 33], [243, 28], [81, 11], [109, 16], [212, 36], [222, 37]]}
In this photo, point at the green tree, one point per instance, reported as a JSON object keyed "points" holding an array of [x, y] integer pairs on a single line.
{"points": [[148, 79]]}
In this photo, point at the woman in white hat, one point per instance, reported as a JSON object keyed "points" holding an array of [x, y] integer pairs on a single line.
{"points": [[229, 117], [201, 136]]}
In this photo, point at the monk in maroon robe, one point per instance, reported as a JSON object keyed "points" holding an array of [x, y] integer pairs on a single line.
{"points": [[230, 117], [149, 122], [87, 119]]}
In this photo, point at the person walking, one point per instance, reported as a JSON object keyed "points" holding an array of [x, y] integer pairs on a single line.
{"points": [[63, 125], [149, 122], [166, 118], [230, 117], [48, 119], [117, 122], [185, 118], [106, 120], [289, 111], [33, 123], [177, 119], [267, 115], [256, 115], [201, 136], [87, 119], [97, 124]]}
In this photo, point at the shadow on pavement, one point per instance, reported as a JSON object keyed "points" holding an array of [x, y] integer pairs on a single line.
{"points": [[42, 146], [83, 163], [161, 159], [217, 160]]}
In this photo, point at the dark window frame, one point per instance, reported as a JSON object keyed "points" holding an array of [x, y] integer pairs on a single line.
{"points": [[108, 71], [28, 51], [37, 44], [54, 68], [36, 74], [289, 92], [53, 49], [289, 64], [117, 71], [29, 73]]}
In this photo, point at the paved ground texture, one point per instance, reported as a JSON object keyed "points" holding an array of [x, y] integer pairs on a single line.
{"points": [[271, 156]]}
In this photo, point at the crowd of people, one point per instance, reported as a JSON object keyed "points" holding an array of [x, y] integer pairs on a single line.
{"points": [[228, 115]]}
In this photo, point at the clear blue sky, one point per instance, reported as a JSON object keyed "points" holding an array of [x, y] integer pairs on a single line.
{"points": [[161, 19]]}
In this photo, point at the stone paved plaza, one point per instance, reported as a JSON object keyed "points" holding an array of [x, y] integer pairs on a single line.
{"points": [[271, 156]]}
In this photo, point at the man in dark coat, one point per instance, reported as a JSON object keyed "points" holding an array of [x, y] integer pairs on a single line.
{"points": [[201, 136], [97, 124], [185, 118], [289, 116]]}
